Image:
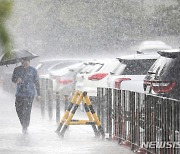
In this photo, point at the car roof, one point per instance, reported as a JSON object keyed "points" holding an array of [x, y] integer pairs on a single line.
{"points": [[66, 69], [170, 53], [59, 60], [153, 45], [139, 56]]}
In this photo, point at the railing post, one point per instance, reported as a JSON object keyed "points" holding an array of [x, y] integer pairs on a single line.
{"points": [[154, 121], [65, 102], [110, 113], [163, 120], [119, 118], [101, 106], [128, 118], [98, 105], [107, 116], [123, 125], [132, 120], [50, 104], [115, 113], [43, 96], [57, 107], [137, 122], [108, 93], [50, 97], [103, 111]]}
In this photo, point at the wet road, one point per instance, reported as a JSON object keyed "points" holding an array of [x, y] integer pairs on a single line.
{"points": [[41, 138]]}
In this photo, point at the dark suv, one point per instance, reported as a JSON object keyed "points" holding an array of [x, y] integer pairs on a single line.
{"points": [[163, 77]]}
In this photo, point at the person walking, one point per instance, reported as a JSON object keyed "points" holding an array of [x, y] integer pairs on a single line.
{"points": [[27, 83]]}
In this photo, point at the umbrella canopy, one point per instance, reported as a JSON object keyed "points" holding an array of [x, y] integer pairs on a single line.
{"points": [[16, 57]]}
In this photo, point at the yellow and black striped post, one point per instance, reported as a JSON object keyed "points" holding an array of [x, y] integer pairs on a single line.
{"points": [[66, 115], [98, 123], [93, 118], [90, 118], [71, 114]]}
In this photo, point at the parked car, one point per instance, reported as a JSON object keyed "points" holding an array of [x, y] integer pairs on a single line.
{"points": [[64, 78], [131, 72], [163, 78], [45, 66], [152, 46], [98, 78], [90, 68]]}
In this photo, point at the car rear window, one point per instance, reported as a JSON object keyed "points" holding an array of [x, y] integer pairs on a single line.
{"points": [[97, 67], [91, 68], [61, 65], [136, 67], [44, 66], [87, 69], [165, 68]]}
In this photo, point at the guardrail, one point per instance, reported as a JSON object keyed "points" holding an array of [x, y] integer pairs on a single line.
{"points": [[145, 123], [52, 102]]}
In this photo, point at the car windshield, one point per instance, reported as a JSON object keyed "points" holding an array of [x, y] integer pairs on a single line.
{"points": [[135, 67]]}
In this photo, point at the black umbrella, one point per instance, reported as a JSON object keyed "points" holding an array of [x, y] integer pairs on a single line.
{"points": [[16, 57]]}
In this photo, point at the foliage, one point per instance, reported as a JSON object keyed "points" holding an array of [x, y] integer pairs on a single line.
{"points": [[5, 9]]}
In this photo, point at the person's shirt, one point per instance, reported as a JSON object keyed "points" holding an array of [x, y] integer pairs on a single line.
{"points": [[30, 81]]}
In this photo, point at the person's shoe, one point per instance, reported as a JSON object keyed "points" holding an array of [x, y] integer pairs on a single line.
{"points": [[25, 131]]}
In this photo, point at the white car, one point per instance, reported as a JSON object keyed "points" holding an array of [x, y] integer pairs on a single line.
{"points": [[152, 46], [45, 66], [99, 78], [64, 79], [131, 72], [91, 67]]}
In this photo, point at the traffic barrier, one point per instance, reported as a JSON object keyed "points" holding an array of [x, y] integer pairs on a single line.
{"points": [[144, 123], [93, 119], [66, 115]]}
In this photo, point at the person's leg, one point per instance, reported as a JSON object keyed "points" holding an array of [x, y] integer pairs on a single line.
{"points": [[27, 111], [19, 108]]}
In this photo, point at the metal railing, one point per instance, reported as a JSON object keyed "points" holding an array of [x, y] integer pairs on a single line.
{"points": [[52, 101], [49, 100], [145, 123]]}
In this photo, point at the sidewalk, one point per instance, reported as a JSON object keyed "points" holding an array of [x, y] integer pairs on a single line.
{"points": [[43, 140]]}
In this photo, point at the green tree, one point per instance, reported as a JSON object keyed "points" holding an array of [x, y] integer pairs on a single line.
{"points": [[5, 9]]}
